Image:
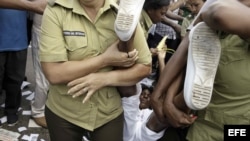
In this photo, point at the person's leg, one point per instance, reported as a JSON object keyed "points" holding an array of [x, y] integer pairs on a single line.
{"points": [[179, 102], [41, 83], [112, 131], [126, 46], [2, 69], [176, 90], [2, 62], [175, 115], [14, 75], [62, 130], [127, 18], [174, 66], [153, 123]]}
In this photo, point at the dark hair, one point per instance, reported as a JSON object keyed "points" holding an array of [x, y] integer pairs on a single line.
{"points": [[155, 4], [150, 88]]}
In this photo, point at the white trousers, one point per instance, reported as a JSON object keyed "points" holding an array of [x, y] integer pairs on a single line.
{"points": [[41, 83]]}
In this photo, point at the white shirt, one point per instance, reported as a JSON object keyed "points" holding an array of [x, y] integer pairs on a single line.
{"points": [[135, 120]]}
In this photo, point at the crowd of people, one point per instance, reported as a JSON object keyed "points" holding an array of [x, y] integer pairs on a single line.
{"points": [[127, 70]]}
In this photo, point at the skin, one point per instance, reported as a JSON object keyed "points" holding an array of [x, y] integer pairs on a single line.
{"points": [[218, 16], [82, 76], [171, 71], [153, 123], [174, 25], [94, 81], [76, 69], [240, 25], [195, 6], [161, 14], [161, 59], [156, 98], [37, 6], [156, 15], [144, 99]]}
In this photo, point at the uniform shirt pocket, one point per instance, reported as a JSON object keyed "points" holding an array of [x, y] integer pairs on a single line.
{"points": [[75, 39], [76, 43], [233, 55]]}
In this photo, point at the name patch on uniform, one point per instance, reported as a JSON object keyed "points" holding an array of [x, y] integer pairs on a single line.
{"points": [[73, 33]]}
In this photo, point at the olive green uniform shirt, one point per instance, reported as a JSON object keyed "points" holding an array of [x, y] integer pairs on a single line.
{"points": [[145, 22], [67, 34], [230, 103], [185, 24]]}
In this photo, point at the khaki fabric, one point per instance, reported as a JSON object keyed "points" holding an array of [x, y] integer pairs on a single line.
{"points": [[145, 22], [67, 34], [185, 24], [230, 102]]}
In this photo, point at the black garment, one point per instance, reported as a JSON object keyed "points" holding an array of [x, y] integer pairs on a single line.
{"points": [[29, 26], [174, 134], [12, 72], [172, 45], [62, 130]]}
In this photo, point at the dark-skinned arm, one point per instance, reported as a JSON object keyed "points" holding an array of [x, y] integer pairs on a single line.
{"points": [[219, 16], [175, 65]]}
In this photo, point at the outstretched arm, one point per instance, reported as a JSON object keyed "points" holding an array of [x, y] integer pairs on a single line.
{"points": [[37, 6]]}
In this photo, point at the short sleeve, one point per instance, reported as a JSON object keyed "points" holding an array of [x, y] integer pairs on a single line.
{"points": [[52, 44]]}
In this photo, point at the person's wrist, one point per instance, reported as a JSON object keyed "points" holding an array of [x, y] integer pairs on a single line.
{"points": [[104, 60]]}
